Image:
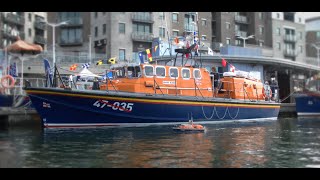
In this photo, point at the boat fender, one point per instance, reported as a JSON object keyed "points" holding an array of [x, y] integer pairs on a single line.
{"points": [[4, 82]]}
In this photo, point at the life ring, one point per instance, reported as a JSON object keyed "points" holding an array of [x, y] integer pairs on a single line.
{"points": [[4, 82]]}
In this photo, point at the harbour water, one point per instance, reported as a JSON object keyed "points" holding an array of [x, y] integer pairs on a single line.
{"points": [[286, 142]]}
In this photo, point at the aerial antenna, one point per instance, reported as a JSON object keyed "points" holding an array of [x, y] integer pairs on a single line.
{"points": [[170, 47]]}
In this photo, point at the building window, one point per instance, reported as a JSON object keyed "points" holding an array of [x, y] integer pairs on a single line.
{"points": [[300, 35], [299, 19], [204, 37], [278, 31], [104, 28], [144, 28], [71, 17], [228, 26], [260, 43], [161, 15], [29, 32], [162, 32], [278, 15], [204, 22], [260, 15], [300, 49], [261, 29], [96, 32], [30, 17], [238, 42], [122, 28], [122, 54], [71, 35], [175, 33], [228, 41], [318, 34], [278, 46], [237, 27], [175, 17], [95, 14]]}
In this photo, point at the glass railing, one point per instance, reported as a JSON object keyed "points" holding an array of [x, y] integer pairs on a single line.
{"points": [[144, 17], [14, 18], [242, 19], [291, 38], [142, 36]]}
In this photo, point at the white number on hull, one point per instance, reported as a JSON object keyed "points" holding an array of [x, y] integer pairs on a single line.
{"points": [[121, 106]]}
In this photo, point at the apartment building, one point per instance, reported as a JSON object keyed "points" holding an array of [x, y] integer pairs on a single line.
{"points": [[312, 36], [72, 37], [26, 25], [288, 35], [231, 28]]}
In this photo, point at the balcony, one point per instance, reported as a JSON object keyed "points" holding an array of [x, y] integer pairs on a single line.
{"points": [[142, 36], [142, 17], [290, 38], [290, 52], [40, 40], [241, 19], [75, 21], [74, 42], [13, 18], [40, 25], [190, 27], [12, 34], [241, 33], [215, 46]]}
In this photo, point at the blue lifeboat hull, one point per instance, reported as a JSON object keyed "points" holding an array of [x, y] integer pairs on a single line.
{"points": [[75, 108]]}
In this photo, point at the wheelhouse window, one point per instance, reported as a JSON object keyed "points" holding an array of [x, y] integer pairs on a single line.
{"points": [[185, 73], [174, 72], [120, 72], [148, 70], [134, 71], [197, 74], [161, 72]]}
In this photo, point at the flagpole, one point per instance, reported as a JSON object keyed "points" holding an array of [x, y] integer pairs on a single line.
{"points": [[199, 39], [170, 47]]}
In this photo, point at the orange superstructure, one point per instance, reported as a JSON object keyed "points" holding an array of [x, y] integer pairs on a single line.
{"points": [[181, 81]]}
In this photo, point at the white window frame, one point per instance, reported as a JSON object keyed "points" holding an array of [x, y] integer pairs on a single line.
{"points": [[170, 72], [195, 73], [228, 25], [165, 71], [144, 71], [227, 41], [182, 73]]}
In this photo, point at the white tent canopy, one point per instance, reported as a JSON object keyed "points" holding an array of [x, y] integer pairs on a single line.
{"points": [[86, 73]]}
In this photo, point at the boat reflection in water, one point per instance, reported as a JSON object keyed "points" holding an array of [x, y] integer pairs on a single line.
{"points": [[159, 146], [283, 143]]}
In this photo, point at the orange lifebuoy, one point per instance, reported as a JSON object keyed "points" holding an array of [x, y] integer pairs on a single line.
{"points": [[4, 81]]}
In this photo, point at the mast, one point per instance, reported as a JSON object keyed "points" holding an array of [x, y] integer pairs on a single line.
{"points": [[170, 47], [199, 44]]}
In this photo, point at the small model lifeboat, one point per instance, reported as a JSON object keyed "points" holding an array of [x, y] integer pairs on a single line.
{"points": [[189, 127]]}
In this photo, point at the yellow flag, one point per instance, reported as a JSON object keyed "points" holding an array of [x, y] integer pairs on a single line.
{"points": [[112, 60], [99, 62]]}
